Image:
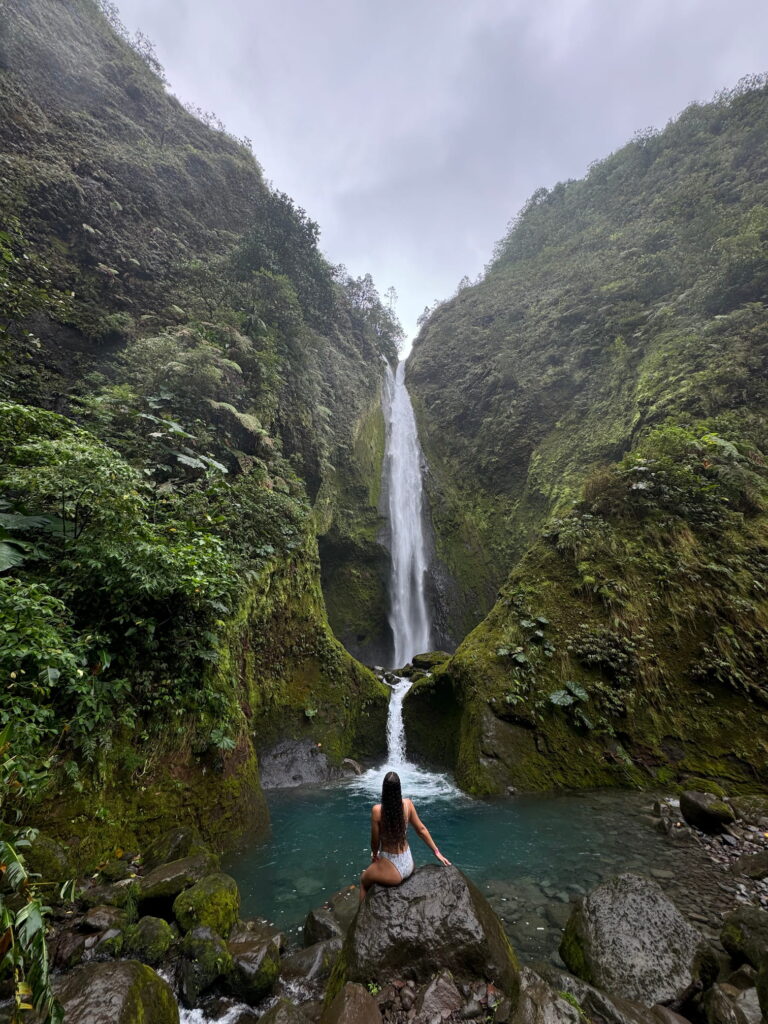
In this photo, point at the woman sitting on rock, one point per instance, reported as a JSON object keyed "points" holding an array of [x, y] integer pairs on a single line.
{"points": [[391, 860]]}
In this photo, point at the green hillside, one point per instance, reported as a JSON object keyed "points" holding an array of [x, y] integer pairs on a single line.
{"points": [[593, 411], [191, 395]]}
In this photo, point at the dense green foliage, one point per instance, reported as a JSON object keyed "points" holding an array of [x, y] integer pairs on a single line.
{"points": [[185, 375], [594, 412]]}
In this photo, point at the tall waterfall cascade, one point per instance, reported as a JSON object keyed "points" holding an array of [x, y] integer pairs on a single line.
{"points": [[409, 613], [409, 610]]}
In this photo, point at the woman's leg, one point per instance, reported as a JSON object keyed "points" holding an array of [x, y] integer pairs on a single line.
{"points": [[382, 871]]}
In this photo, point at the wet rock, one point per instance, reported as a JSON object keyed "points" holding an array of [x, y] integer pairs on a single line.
{"points": [[255, 967], [314, 962], [353, 1005], [295, 763], [762, 988], [430, 659], [204, 960], [596, 1005], [148, 940], [257, 928], [175, 844], [116, 895], [437, 1000], [745, 935], [68, 950], [283, 1012], [663, 1015], [99, 919], [116, 870], [344, 905], [744, 977], [116, 993], [213, 903], [628, 939], [352, 765], [108, 943], [321, 924], [748, 1003], [719, 1007], [752, 808], [706, 811], [435, 919], [753, 865], [540, 1004], [168, 880]]}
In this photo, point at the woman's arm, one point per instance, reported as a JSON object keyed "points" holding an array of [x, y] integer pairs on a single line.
{"points": [[423, 833], [374, 833]]}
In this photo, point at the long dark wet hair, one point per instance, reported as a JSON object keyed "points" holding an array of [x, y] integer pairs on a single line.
{"points": [[392, 829]]}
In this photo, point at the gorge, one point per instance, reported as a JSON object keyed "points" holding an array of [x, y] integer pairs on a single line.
{"points": [[225, 520]]}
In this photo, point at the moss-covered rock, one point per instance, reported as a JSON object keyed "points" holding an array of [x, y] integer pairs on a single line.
{"points": [[168, 880], [255, 968], [49, 859], [745, 935], [125, 992], [751, 807], [174, 844], [706, 811], [213, 903], [283, 1012], [148, 940], [204, 960]]}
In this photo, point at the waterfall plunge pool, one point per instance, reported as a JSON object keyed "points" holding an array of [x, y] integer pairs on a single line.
{"points": [[530, 855]]}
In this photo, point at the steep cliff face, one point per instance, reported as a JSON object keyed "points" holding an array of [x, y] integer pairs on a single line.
{"points": [[219, 390], [594, 414]]}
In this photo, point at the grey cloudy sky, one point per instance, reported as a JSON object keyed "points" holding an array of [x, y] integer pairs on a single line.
{"points": [[413, 130]]}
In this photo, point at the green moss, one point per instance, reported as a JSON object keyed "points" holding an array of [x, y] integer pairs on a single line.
{"points": [[148, 940], [213, 903]]}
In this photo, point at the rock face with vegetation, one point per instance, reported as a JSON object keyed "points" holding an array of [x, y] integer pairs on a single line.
{"points": [[593, 411], [192, 397]]}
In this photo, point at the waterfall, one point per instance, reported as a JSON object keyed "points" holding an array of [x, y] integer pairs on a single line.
{"points": [[395, 727], [409, 613]]}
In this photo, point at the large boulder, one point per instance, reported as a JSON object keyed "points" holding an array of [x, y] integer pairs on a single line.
{"points": [[283, 1012], [541, 1004], [628, 939], [435, 919], [148, 940], [352, 1005], [168, 880], [124, 992], [706, 811], [597, 1006], [255, 968], [174, 844], [204, 960], [753, 865], [49, 859], [745, 935], [313, 962], [213, 903]]}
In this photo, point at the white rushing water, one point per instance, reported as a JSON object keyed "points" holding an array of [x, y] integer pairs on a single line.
{"points": [[416, 783], [409, 612]]}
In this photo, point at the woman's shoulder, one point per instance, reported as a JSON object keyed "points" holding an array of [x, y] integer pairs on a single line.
{"points": [[376, 811]]}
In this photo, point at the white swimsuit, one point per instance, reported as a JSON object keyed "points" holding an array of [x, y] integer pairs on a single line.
{"points": [[402, 861]]}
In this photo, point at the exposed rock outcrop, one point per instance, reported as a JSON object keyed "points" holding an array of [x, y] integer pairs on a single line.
{"points": [[628, 939]]}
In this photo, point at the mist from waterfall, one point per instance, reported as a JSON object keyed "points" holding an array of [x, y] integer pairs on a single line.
{"points": [[409, 610]]}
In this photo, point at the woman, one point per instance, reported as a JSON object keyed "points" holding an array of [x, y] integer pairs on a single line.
{"points": [[391, 860]]}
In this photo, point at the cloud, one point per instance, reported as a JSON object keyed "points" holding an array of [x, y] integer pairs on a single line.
{"points": [[413, 131]]}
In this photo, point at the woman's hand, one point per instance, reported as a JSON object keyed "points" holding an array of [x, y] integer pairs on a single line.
{"points": [[442, 859], [374, 857]]}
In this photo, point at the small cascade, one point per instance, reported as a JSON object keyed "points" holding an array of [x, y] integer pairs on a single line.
{"points": [[409, 609], [395, 725]]}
